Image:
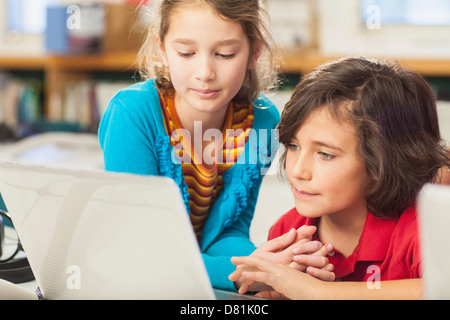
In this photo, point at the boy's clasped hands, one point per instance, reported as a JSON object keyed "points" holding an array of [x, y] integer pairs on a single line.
{"points": [[273, 266]]}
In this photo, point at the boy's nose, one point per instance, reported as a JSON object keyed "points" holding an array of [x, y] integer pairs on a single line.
{"points": [[302, 169]]}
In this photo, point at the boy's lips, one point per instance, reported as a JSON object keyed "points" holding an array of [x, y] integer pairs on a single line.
{"points": [[303, 193]]}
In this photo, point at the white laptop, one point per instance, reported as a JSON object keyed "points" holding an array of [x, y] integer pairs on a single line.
{"points": [[434, 217], [103, 235]]}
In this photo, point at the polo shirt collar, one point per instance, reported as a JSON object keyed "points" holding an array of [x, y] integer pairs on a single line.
{"points": [[375, 238]]}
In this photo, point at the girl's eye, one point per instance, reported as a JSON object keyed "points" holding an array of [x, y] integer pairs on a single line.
{"points": [[326, 156], [225, 56], [292, 147], [185, 54]]}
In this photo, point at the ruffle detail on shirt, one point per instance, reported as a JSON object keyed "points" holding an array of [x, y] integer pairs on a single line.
{"points": [[253, 173], [244, 184], [243, 187], [170, 166], [240, 195]]}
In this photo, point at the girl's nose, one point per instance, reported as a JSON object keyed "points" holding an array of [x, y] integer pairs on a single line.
{"points": [[205, 70]]}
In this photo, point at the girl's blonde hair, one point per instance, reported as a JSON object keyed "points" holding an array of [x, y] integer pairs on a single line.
{"points": [[250, 14]]}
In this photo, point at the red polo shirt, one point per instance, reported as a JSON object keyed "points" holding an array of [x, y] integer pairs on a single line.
{"points": [[388, 249]]}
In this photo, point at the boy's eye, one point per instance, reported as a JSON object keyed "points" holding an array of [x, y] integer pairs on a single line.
{"points": [[326, 156]]}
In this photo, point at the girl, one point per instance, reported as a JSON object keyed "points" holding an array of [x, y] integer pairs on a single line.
{"points": [[362, 138], [206, 62]]}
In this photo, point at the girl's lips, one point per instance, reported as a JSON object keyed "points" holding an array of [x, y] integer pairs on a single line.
{"points": [[205, 94]]}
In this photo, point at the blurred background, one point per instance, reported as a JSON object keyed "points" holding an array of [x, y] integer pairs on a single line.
{"points": [[62, 61]]}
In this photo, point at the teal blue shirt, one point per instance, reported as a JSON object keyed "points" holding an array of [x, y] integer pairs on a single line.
{"points": [[134, 140]]}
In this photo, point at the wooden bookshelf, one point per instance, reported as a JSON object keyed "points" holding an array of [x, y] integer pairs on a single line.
{"points": [[115, 61], [119, 61], [59, 70], [304, 61], [295, 61], [63, 74], [22, 62]]}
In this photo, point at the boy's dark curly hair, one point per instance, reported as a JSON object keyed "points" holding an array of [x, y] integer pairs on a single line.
{"points": [[395, 117]]}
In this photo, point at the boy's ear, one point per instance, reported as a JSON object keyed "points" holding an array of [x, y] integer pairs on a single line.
{"points": [[257, 50], [161, 49]]}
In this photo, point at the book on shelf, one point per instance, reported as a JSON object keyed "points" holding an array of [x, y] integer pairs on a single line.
{"points": [[84, 102], [20, 100], [80, 104]]}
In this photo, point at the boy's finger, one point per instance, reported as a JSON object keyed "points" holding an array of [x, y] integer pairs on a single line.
{"points": [[322, 274], [311, 260], [324, 250], [307, 247]]}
